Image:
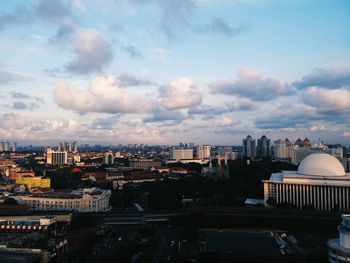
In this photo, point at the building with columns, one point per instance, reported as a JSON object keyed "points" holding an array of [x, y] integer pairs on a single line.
{"points": [[320, 182]]}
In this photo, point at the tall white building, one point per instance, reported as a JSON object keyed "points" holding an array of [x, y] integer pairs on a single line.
{"points": [[283, 149], [203, 152], [320, 182], [339, 249], [249, 147], [179, 154]]}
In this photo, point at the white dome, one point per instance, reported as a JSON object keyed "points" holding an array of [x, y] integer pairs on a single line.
{"points": [[321, 164]]}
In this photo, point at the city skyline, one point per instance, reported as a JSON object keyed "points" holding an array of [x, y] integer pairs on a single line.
{"points": [[164, 72]]}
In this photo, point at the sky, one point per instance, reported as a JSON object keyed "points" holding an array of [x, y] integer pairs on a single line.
{"points": [[170, 71]]}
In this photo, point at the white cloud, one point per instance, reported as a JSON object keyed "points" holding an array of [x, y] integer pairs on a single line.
{"points": [[93, 53], [104, 95], [180, 94], [328, 101]]}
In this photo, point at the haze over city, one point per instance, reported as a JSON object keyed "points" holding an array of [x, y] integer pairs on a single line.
{"points": [[170, 71]]}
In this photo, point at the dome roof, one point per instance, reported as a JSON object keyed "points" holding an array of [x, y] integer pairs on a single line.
{"points": [[321, 164]]}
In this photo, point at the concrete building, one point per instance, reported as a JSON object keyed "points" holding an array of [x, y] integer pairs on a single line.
{"points": [[283, 149], [339, 249], [249, 147], [320, 183], [179, 154], [109, 158], [144, 163], [81, 200], [34, 181], [203, 152], [56, 157], [264, 147]]}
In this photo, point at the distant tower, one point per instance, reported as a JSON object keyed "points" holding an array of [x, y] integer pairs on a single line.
{"points": [[249, 147], [109, 158], [264, 147], [203, 152]]}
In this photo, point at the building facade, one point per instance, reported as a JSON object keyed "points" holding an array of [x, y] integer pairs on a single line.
{"points": [[144, 163], [109, 158], [264, 147], [203, 152], [81, 200], [56, 157], [249, 147], [34, 181], [320, 183], [339, 249], [179, 154]]}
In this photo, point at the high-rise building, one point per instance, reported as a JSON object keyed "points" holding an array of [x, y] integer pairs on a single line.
{"points": [[283, 149], [249, 147], [179, 154], [2, 146], [264, 147], [75, 147], [203, 152], [56, 157], [109, 158], [7, 147]]}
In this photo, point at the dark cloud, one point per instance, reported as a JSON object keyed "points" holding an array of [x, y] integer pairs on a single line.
{"points": [[106, 123], [325, 78], [56, 12], [251, 85], [7, 77], [132, 50], [221, 26], [162, 115], [127, 80], [19, 95], [19, 105], [92, 53]]}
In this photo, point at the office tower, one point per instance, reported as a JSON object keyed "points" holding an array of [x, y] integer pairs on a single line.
{"points": [[14, 146], [109, 158], [7, 146], [75, 147], [264, 147], [180, 154], [249, 147], [203, 152]]}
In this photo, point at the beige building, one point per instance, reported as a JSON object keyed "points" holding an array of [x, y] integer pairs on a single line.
{"points": [[320, 182], [81, 200]]}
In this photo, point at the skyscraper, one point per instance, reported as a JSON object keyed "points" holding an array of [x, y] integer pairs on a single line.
{"points": [[249, 147], [264, 147], [283, 149]]}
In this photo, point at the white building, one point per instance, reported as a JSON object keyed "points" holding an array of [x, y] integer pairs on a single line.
{"points": [[339, 249], [249, 147], [203, 152], [320, 182], [81, 200], [56, 157], [179, 154], [283, 149]]}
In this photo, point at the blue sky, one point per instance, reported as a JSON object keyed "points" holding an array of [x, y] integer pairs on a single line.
{"points": [[165, 71]]}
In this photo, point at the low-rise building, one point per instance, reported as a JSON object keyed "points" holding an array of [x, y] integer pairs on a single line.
{"points": [[34, 181], [81, 200]]}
